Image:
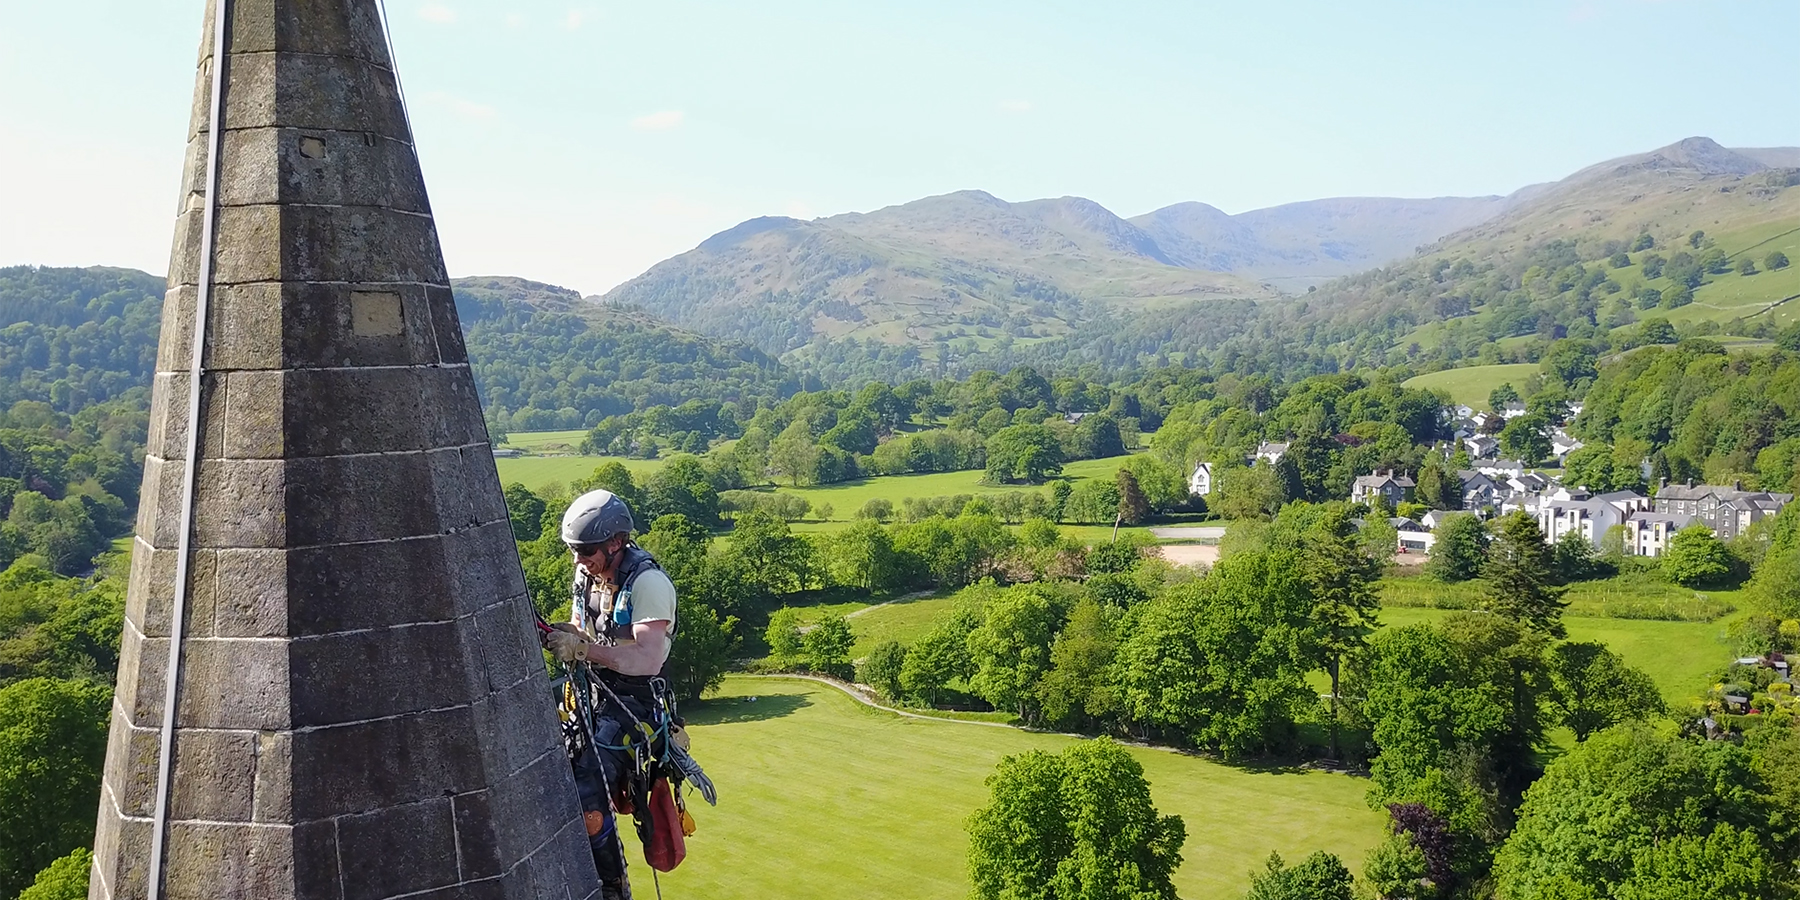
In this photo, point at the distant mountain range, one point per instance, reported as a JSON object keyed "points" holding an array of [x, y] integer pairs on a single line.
{"points": [[970, 267]]}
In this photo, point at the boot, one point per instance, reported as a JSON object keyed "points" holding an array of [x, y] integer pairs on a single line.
{"points": [[615, 890]]}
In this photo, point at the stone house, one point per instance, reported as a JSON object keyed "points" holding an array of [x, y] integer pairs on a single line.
{"points": [[1726, 510], [1649, 533], [1394, 488]]}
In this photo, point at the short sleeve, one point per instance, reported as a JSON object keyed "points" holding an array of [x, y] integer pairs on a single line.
{"points": [[652, 597]]}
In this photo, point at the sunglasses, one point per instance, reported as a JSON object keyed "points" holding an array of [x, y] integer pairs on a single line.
{"points": [[585, 549]]}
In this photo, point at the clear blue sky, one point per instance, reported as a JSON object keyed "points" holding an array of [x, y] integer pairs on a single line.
{"points": [[579, 143]]}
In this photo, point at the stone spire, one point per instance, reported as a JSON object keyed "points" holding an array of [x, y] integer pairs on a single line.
{"points": [[362, 707]]}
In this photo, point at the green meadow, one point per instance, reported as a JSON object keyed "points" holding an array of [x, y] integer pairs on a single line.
{"points": [[849, 496], [1679, 656], [535, 472], [821, 797], [1471, 385]]}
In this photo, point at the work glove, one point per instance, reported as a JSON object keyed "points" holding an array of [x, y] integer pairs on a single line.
{"points": [[567, 646]]}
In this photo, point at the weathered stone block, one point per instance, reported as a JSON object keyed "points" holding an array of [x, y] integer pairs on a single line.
{"points": [[343, 588], [240, 503], [319, 166], [249, 246], [447, 327], [142, 664], [246, 326], [528, 807], [337, 500], [217, 772], [506, 641], [370, 765], [252, 422], [169, 396], [174, 347], [251, 593], [465, 484], [319, 332], [208, 860], [526, 714], [122, 855], [484, 563], [274, 778], [310, 26], [238, 683], [309, 91], [316, 875], [362, 675], [480, 855], [359, 244], [131, 761], [398, 850]]}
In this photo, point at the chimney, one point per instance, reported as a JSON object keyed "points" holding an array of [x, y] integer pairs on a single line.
{"points": [[359, 705]]}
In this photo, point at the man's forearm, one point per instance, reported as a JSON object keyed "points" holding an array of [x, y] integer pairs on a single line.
{"points": [[642, 656]]}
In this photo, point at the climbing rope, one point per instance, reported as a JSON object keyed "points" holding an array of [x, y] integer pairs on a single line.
{"points": [[215, 139]]}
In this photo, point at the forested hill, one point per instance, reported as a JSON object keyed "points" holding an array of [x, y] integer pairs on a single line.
{"points": [[76, 337], [544, 358]]}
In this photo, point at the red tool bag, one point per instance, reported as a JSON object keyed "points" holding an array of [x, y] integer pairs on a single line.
{"points": [[667, 848]]}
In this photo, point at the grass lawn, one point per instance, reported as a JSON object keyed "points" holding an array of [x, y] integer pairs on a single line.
{"points": [[1678, 656], [820, 797], [1471, 385], [537, 471], [849, 496], [565, 441], [904, 621]]}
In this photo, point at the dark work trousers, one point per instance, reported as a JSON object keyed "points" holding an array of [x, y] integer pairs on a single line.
{"points": [[600, 772]]}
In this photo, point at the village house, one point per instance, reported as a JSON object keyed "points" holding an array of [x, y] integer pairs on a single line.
{"points": [[1479, 491], [1415, 537], [1562, 444], [1726, 510], [1481, 446], [1649, 533], [1497, 468], [1268, 452], [1574, 510], [1393, 488], [1200, 483]]}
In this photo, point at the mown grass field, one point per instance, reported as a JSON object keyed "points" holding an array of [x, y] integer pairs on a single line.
{"points": [[847, 497], [1471, 385], [560, 441], [537, 471], [1678, 656], [821, 797]]}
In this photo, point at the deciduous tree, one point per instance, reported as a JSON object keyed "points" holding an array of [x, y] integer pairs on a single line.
{"points": [[1072, 826]]}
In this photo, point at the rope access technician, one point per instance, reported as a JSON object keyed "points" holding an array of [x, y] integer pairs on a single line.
{"points": [[617, 714]]}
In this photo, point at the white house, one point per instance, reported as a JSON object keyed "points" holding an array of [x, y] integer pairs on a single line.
{"points": [[1415, 537], [1649, 533], [1270, 452], [1200, 483], [1481, 446], [1574, 510], [1512, 410], [1562, 444], [1498, 468]]}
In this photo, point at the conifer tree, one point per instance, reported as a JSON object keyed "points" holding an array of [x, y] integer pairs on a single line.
{"points": [[1520, 583]]}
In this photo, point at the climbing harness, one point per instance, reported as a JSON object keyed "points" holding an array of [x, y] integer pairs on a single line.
{"points": [[650, 747], [215, 138]]}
